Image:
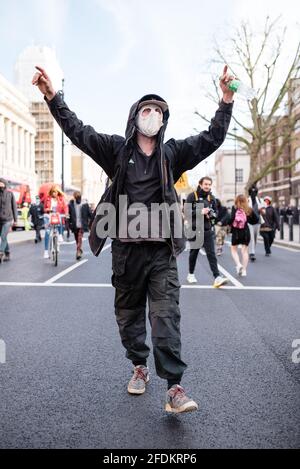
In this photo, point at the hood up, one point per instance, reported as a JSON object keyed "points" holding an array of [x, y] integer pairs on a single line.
{"points": [[131, 125]]}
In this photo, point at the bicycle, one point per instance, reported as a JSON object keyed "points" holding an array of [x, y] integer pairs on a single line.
{"points": [[53, 248]]}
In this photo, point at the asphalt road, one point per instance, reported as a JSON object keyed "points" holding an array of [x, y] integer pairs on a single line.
{"points": [[64, 381]]}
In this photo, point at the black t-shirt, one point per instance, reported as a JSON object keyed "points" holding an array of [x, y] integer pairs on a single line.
{"points": [[143, 185], [142, 181]]}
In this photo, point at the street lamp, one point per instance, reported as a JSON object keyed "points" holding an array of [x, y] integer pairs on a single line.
{"points": [[62, 146], [235, 131]]}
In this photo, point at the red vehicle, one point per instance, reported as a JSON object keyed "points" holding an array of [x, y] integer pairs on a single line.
{"points": [[21, 192]]}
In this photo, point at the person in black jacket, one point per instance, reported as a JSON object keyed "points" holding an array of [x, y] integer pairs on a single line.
{"points": [[143, 170], [269, 224], [36, 212], [204, 196], [8, 215], [79, 218]]}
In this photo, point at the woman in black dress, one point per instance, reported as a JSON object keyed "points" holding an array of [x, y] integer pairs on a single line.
{"points": [[241, 215]]}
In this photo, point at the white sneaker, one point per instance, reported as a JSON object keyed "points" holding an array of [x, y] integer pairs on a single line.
{"points": [[239, 269], [219, 281], [191, 278], [46, 255], [60, 238], [244, 273]]}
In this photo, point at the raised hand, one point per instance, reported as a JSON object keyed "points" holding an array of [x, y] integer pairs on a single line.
{"points": [[43, 82], [224, 80]]}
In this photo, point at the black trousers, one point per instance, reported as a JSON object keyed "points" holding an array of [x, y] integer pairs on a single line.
{"points": [[38, 232], [209, 247], [268, 237], [144, 271]]}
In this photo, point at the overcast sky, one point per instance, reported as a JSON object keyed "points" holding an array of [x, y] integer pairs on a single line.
{"points": [[114, 51]]}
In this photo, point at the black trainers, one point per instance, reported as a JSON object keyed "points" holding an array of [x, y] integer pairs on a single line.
{"points": [[177, 401], [252, 257]]}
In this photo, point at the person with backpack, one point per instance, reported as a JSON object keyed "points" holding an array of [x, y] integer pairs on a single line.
{"points": [[241, 215], [203, 195]]}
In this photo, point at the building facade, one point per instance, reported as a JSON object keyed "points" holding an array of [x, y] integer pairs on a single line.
{"points": [[295, 145], [17, 136], [48, 140], [232, 173], [283, 185]]}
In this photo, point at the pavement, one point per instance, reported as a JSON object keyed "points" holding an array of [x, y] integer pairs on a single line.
{"points": [[286, 241], [64, 380]]}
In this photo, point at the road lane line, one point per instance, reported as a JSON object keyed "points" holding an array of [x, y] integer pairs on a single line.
{"points": [[230, 277], [108, 285], [66, 271], [69, 269]]}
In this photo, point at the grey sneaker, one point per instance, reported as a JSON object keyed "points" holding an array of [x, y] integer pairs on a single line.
{"points": [[137, 384], [177, 400]]}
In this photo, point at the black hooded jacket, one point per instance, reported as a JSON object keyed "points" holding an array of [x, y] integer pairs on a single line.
{"points": [[113, 152]]}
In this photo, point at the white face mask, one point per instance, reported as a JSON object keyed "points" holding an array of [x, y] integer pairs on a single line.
{"points": [[149, 123]]}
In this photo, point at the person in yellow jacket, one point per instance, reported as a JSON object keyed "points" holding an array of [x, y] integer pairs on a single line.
{"points": [[24, 216]]}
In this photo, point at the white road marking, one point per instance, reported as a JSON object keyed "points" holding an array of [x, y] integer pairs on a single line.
{"points": [[230, 277], [66, 271], [69, 269], [108, 285]]}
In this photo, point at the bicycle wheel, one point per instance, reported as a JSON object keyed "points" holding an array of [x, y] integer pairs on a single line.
{"points": [[55, 250]]}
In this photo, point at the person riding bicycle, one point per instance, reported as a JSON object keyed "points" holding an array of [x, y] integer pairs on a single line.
{"points": [[54, 202]]}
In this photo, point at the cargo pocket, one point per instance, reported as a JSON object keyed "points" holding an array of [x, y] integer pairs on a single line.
{"points": [[120, 255], [173, 286]]}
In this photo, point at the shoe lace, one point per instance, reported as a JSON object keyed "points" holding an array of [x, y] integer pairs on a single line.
{"points": [[139, 374], [178, 391]]}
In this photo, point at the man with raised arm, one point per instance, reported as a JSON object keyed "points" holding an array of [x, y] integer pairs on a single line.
{"points": [[144, 169]]}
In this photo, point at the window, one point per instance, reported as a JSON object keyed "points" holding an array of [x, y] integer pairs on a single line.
{"points": [[239, 175]]}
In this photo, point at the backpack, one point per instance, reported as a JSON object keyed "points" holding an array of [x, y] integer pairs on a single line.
{"points": [[240, 219]]}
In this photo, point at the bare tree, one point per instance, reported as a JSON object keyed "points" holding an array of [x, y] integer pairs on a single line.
{"points": [[257, 59]]}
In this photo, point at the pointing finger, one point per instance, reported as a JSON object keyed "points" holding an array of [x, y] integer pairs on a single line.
{"points": [[42, 71]]}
